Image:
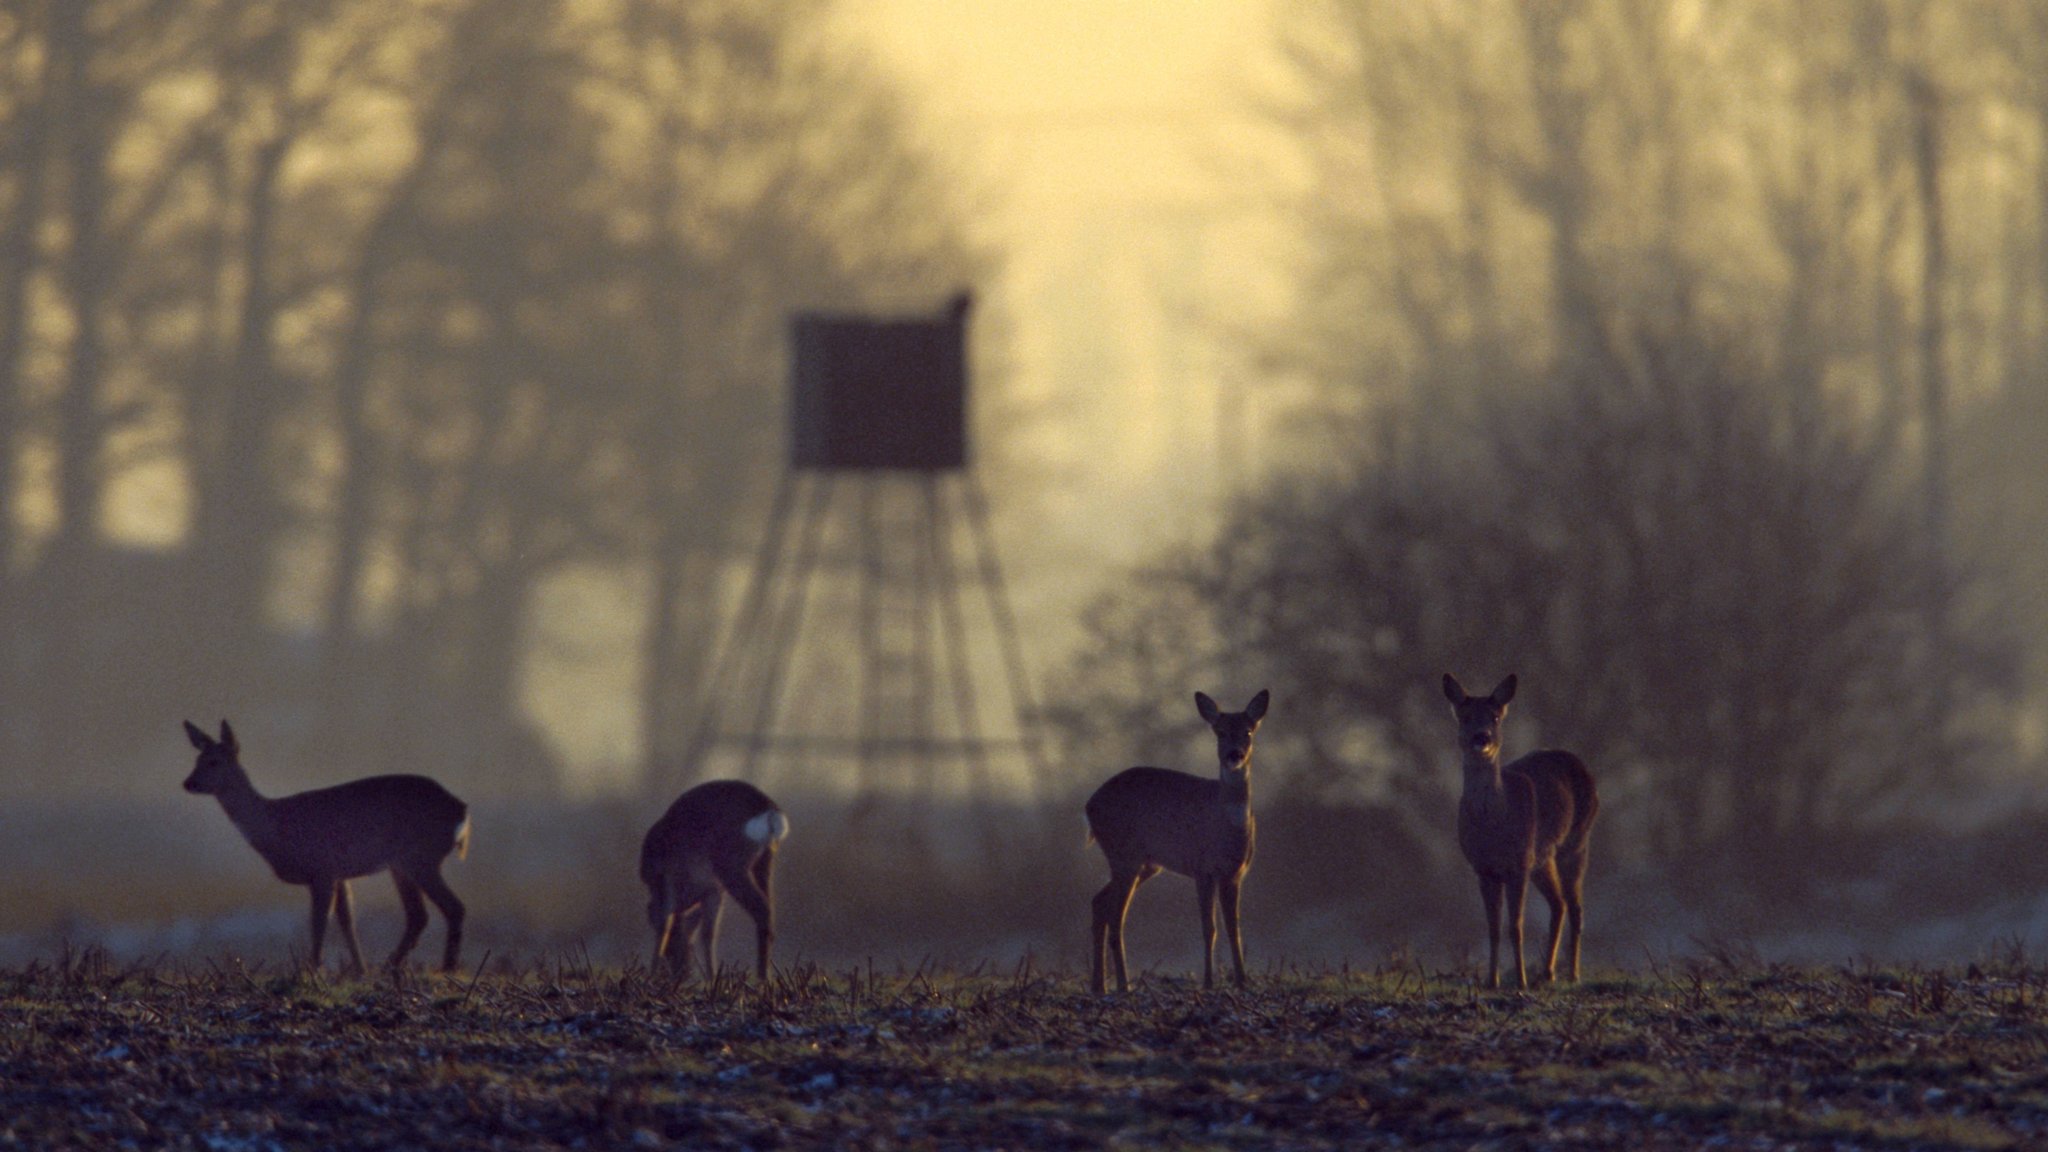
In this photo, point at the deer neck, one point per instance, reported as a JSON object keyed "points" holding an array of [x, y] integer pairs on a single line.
{"points": [[247, 809], [1234, 791], [1485, 795]]}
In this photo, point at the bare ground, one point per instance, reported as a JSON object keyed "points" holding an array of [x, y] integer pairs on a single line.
{"points": [[563, 1054]]}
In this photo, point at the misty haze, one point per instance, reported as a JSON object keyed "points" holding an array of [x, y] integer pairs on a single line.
{"points": [[409, 383]]}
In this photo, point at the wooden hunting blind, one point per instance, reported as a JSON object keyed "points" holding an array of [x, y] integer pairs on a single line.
{"points": [[869, 393], [881, 517]]}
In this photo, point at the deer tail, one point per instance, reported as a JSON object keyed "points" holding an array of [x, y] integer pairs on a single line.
{"points": [[769, 827], [462, 839]]}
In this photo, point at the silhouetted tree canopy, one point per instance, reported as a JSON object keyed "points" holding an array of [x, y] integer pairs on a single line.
{"points": [[1725, 616], [1633, 335], [387, 315]]}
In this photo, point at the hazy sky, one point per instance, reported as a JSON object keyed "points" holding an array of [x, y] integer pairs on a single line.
{"points": [[1103, 138], [1111, 140], [1072, 102]]}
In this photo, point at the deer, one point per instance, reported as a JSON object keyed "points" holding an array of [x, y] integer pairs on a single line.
{"points": [[1529, 820], [718, 839], [1151, 819], [328, 836]]}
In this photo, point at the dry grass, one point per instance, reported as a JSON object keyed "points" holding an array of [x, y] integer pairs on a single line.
{"points": [[556, 1053]]}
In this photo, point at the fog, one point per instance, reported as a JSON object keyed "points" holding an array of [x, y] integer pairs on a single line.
{"points": [[405, 380]]}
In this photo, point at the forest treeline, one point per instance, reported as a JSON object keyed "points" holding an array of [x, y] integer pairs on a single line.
{"points": [[331, 329], [1686, 357], [1689, 358]]}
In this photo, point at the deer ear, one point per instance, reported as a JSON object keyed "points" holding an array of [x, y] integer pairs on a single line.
{"points": [[1256, 710], [228, 741], [1504, 691], [199, 739], [1207, 707], [1453, 691]]}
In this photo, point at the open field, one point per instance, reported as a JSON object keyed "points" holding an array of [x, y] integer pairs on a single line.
{"points": [[168, 876], [563, 1054]]}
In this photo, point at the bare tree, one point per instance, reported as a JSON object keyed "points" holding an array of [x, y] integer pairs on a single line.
{"points": [[1728, 621], [118, 156], [26, 94], [402, 310], [1627, 301]]}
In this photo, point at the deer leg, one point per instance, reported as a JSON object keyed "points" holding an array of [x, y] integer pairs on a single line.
{"points": [[1490, 892], [1205, 893], [707, 932], [1517, 894], [345, 919], [686, 900], [739, 884], [688, 920], [1110, 905], [661, 916], [1573, 883], [444, 898], [323, 900], [1226, 894], [764, 879], [664, 929], [1098, 939], [415, 918], [1553, 894], [1145, 873]]}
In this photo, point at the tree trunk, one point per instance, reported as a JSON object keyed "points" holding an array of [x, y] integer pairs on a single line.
{"points": [[678, 636], [1560, 192], [79, 477], [236, 518], [28, 160], [1934, 413]]}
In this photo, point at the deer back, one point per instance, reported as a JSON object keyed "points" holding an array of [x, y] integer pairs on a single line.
{"points": [[1177, 820], [361, 827], [719, 819], [1563, 796]]}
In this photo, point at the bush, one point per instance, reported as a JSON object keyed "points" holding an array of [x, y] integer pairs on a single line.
{"points": [[1732, 615]]}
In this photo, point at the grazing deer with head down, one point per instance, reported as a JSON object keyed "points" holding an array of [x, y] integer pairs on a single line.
{"points": [[1527, 821], [326, 837], [717, 839], [1148, 819]]}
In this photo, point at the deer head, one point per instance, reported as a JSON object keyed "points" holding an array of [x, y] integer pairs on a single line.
{"points": [[1233, 730], [219, 760], [1479, 717]]}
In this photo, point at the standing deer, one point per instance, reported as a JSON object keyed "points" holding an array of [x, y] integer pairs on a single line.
{"points": [[1528, 821], [1148, 819], [718, 838], [329, 836]]}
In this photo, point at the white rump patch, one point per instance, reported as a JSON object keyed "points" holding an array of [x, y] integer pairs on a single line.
{"points": [[1088, 826], [768, 828]]}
